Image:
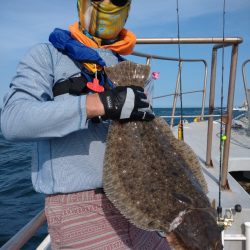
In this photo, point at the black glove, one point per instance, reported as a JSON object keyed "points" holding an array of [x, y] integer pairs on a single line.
{"points": [[129, 103]]}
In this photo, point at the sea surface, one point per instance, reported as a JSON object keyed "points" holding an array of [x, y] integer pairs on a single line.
{"points": [[19, 203]]}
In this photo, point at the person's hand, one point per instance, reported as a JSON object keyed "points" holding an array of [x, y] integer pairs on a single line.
{"points": [[126, 103]]}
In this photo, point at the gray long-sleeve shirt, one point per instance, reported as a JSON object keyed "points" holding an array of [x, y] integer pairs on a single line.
{"points": [[68, 150]]}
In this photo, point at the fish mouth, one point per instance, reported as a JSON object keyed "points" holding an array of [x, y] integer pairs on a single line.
{"points": [[199, 230]]}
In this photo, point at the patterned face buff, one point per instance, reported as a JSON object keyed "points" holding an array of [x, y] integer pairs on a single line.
{"points": [[104, 20]]}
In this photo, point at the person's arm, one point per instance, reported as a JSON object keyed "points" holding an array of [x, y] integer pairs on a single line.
{"points": [[29, 111], [94, 106]]}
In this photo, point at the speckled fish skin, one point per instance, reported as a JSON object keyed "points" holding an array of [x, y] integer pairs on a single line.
{"points": [[154, 179]]}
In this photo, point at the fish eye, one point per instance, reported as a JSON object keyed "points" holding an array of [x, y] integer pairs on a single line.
{"points": [[182, 198]]}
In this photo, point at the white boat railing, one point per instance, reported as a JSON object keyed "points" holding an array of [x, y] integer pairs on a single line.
{"points": [[25, 234], [219, 43], [239, 237]]}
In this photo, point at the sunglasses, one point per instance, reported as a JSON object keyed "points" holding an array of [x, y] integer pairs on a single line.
{"points": [[115, 2]]}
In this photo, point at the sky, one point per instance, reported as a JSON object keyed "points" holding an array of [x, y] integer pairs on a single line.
{"points": [[28, 22]]}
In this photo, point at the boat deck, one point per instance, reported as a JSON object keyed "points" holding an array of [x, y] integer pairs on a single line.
{"points": [[239, 157], [195, 134]]}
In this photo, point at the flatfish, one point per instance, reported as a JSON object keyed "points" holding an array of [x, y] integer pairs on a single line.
{"points": [[155, 180]]}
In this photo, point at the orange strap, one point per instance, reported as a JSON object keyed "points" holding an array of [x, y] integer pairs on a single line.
{"points": [[124, 46]]}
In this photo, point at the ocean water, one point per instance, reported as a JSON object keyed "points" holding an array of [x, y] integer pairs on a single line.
{"points": [[19, 203]]}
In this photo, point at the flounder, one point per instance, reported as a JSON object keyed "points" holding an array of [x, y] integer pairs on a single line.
{"points": [[156, 180]]}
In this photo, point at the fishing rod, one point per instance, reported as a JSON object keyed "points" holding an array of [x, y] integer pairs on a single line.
{"points": [[222, 136], [180, 126], [226, 220]]}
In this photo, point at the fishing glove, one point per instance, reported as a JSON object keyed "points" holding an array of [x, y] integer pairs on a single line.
{"points": [[126, 103]]}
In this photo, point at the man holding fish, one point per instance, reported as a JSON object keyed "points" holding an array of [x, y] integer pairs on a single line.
{"points": [[62, 99], [55, 100]]}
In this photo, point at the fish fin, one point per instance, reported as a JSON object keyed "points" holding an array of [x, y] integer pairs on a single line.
{"points": [[187, 153], [195, 166]]}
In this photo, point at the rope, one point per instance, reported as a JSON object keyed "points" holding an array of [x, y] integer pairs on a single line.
{"points": [[179, 67]]}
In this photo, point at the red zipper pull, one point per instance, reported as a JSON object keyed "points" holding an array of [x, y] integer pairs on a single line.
{"points": [[95, 86]]}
